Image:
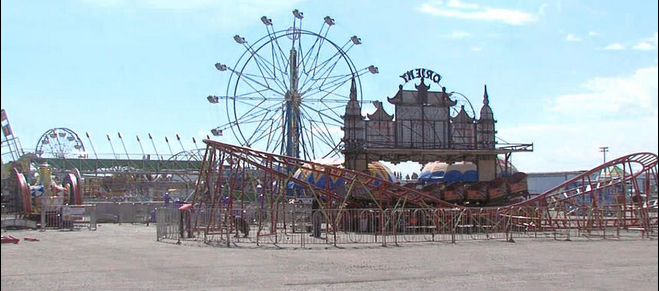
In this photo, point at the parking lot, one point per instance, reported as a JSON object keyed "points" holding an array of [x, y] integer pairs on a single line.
{"points": [[127, 257]]}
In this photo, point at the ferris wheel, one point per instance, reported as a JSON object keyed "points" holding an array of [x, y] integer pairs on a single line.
{"points": [[60, 143], [288, 90], [462, 103]]}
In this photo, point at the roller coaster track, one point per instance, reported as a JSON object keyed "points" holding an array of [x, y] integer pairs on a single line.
{"points": [[586, 188], [278, 171], [229, 174], [609, 196]]}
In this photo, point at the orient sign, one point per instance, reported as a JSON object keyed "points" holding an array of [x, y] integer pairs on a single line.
{"points": [[421, 73]]}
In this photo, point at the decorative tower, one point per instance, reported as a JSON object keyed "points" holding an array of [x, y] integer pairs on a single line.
{"points": [[422, 92], [486, 140], [486, 132], [354, 135], [463, 130]]}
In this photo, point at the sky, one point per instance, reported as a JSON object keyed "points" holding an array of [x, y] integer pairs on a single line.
{"points": [[568, 76]]}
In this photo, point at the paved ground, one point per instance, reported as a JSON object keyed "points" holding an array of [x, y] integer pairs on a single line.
{"points": [[127, 257]]}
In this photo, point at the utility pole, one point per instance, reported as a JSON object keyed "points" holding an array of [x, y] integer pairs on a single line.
{"points": [[604, 150]]}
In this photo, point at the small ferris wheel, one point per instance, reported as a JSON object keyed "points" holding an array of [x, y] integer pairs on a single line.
{"points": [[60, 143]]}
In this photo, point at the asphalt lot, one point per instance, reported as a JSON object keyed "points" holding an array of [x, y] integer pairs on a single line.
{"points": [[127, 257]]}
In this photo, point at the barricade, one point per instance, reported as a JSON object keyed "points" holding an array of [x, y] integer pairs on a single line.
{"points": [[55, 215], [127, 212], [168, 224], [301, 226]]}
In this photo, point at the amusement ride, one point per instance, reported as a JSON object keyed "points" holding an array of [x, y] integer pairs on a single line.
{"points": [[294, 105]]}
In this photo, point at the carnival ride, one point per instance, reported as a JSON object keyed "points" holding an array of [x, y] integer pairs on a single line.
{"points": [[582, 203], [28, 187], [283, 101], [60, 143], [599, 192], [44, 195], [458, 183], [303, 173], [454, 137]]}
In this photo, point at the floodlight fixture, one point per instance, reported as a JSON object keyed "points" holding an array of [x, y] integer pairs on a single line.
{"points": [[213, 99], [329, 20], [239, 39], [298, 14], [220, 67], [267, 21], [216, 131]]}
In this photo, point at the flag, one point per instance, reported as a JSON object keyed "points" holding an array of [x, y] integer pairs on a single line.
{"points": [[6, 130]]}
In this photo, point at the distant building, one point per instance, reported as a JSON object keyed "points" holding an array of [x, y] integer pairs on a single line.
{"points": [[539, 183]]}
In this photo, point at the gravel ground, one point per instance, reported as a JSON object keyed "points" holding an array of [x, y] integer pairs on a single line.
{"points": [[127, 257]]}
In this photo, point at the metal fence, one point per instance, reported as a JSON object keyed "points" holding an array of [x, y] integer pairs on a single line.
{"points": [[54, 213], [301, 226], [127, 212], [51, 213], [72, 217]]}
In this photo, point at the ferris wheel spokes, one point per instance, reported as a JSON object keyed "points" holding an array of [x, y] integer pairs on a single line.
{"points": [[336, 80], [252, 79], [319, 128], [264, 65]]}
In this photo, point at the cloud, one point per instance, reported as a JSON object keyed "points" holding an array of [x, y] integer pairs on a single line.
{"points": [[477, 49], [575, 146], [653, 39], [648, 43], [457, 34], [461, 5], [612, 97], [174, 4], [541, 11], [644, 46], [469, 11], [254, 5], [593, 33], [572, 37], [614, 47], [618, 112], [105, 3]]}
